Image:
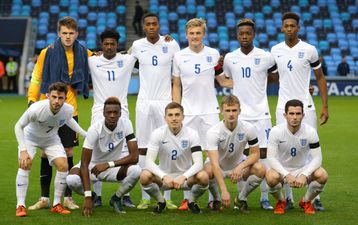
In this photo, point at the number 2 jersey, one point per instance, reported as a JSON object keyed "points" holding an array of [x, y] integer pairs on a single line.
{"points": [[230, 144], [249, 73], [107, 145], [294, 68]]}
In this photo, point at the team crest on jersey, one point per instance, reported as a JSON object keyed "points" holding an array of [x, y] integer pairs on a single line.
{"points": [[303, 142], [120, 63], [119, 135], [257, 61], [62, 122], [241, 136], [165, 49], [301, 55], [184, 143], [209, 59]]}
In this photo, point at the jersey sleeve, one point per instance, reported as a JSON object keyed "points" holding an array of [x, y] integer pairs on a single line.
{"points": [[25, 119], [91, 138], [36, 78], [195, 140], [152, 153], [314, 58], [252, 136], [154, 140], [129, 131], [227, 70], [176, 70], [272, 67], [212, 140], [272, 153], [313, 139], [133, 50]]}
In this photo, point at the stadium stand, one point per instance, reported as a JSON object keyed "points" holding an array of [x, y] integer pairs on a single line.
{"points": [[330, 25]]}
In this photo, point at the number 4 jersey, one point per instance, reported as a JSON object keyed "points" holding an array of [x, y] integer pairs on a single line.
{"points": [[249, 73]]}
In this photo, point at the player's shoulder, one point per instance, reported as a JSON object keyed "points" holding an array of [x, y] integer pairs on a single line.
{"points": [[138, 42], [231, 55], [245, 126], [190, 131], [211, 50], [279, 128], [68, 108], [278, 46], [262, 52], [217, 128], [308, 129]]}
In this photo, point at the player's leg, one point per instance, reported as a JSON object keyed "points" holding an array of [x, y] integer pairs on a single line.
{"points": [[60, 162], [74, 181], [150, 184], [69, 140], [128, 176], [143, 128], [317, 181], [275, 181], [253, 176], [213, 188], [126, 197], [22, 181], [199, 183]]}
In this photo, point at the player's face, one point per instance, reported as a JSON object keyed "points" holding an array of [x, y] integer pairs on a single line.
{"points": [[174, 118], [151, 27], [246, 35], [109, 47], [57, 99], [195, 36], [230, 113], [67, 36], [294, 116], [111, 115], [290, 28]]}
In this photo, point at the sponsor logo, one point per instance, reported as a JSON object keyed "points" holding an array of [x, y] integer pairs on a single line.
{"points": [[282, 142], [164, 142], [143, 51]]}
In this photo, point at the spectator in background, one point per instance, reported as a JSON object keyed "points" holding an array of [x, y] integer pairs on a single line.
{"points": [[12, 68], [343, 68], [137, 19], [2, 73], [29, 68], [323, 65]]}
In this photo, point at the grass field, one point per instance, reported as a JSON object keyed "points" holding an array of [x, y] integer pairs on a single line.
{"points": [[338, 139]]}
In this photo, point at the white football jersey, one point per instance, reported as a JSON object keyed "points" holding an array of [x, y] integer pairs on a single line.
{"points": [[293, 150], [230, 144], [107, 145], [294, 68], [249, 73], [110, 78], [175, 156], [197, 74], [155, 67]]}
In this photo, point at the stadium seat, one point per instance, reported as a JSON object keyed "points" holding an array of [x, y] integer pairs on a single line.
{"points": [[303, 3], [54, 9], [35, 3], [172, 16], [40, 44], [323, 45], [64, 3], [82, 23], [83, 9]]}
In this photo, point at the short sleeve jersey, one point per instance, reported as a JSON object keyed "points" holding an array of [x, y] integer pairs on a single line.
{"points": [[155, 67], [197, 74], [110, 78], [294, 68], [293, 150], [107, 145], [249, 74], [230, 144], [174, 151]]}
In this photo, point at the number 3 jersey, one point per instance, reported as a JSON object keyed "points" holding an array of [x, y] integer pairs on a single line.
{"points": [[107, 145], [175, 151], [292, 150], [249, 73], [110, 77], [294, 69], [230, 144]]}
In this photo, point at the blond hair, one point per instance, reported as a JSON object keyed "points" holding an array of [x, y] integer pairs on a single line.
{"points": [[196, 22]]}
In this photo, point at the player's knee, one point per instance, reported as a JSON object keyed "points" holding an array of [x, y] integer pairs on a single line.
{"points": [[202, 178], [69, 152], [73, 181], [134, 171], [272, 178], [259, 170], [209, 171], [61, 164], [321, 175], [75, 170], [145, 177]]}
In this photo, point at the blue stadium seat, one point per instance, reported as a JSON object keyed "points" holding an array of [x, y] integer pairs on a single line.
{"points": [[163, 8], [249, 15], [91, 35], [111, 23], [333, 8], [64, 3], [102, 3], [191, 9], [321, 3], [260, 23], [121, 9], [311, 37], [100, 28], [91, 29], [327, 24], [238, 9], [303, 3], [181, 10], [247, 3], [82, 23], [343, 44], [74, 2], [224, 45], [175, 36], [230, 15], [91, 44], [323, 45], [101, 15], [345, 17], [280, 37], [121, 29], [209, 3], [92, 3], [173, 16], [275, 3], [83, 9], [233, 45], [213, 37], [153, 9], [341, 36], [306, 17], [26, 10], [73, 8], [54, 9], [267, 10], [231, 23], [296, 9], [263, 38], [40, 44], [35, 3], [355, 23], [42, 29], [259, 16], [271, 30], [211, 23], [352, 9], [314, 9], [272, 43], [164, 30], [43, 21], [92, 16], [62, 14], [44, 15], [351, 36], [332, 38]]}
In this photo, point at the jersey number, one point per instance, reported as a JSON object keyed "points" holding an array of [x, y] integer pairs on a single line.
{"points": [[231, 147], [155, 60], [110, 146], [197, 68], [111, 75], [174, 154], [49, 129], [289, 65], [293, 152], [246, 72]]}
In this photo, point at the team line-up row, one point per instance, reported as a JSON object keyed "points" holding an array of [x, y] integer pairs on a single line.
{"points": [[187, 78]]}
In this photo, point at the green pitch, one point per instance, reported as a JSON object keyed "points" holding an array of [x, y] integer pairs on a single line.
{"points": [[338, 139]]}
